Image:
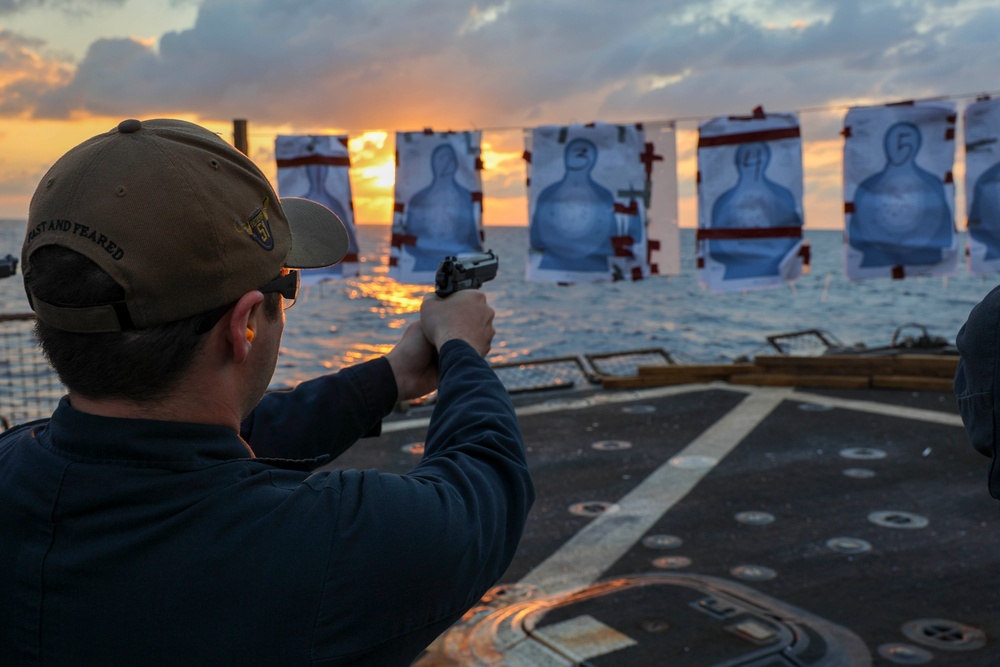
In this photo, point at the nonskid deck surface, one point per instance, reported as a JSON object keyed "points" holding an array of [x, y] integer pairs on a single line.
{"points": [[714, 525]]}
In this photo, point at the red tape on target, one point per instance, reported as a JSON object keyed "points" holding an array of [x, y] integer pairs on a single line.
{"points": [[805, 252], [648, 157], [622, 245], [399, 240], [749, 137], [327, 160], [750, 233]]}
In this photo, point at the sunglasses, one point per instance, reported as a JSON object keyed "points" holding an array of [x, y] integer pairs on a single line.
{"points": [[287, 286]]}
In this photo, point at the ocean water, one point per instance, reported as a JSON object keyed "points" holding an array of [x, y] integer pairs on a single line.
{"points": [[339, 323]]}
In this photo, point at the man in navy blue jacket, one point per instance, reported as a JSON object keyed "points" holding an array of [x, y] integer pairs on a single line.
{"points": [[977, 382], [166, 513]]}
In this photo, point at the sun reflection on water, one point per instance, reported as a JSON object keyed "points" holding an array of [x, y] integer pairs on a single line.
{"points": [[365, 352], [393, 298], [338, 324]]}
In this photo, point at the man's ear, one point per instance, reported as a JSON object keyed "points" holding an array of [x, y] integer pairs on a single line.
{"points": [[244, 323]]}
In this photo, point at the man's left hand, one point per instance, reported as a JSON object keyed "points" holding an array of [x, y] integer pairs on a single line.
{"points": [[414, 364]]}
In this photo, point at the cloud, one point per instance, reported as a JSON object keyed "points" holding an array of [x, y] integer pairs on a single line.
{"points": [[14, 6], [26, 73], [365, 64], [730, 64], [116, 74]]}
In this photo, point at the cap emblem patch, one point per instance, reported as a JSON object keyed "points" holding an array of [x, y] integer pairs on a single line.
{"points": [[259, 228]]}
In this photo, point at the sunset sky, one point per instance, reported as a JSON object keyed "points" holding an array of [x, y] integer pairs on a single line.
{"points": [[72, 68]]}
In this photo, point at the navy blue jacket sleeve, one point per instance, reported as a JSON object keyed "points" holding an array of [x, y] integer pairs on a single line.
{"points": [[418, 550], [322, 417]]}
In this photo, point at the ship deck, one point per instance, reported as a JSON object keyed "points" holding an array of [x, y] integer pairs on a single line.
{"points": [[723, 525]]}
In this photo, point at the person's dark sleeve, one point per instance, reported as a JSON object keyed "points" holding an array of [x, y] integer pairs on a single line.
{"points": [[322, 417], [413, 552]]}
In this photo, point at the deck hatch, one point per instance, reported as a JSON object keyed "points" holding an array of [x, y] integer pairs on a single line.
{"points": [[944, 634]]}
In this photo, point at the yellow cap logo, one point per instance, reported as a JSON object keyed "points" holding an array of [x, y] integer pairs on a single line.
{"points": [[258, 227]]}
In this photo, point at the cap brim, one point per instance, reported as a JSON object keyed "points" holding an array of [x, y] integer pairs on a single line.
{"points": [[319, 237]]}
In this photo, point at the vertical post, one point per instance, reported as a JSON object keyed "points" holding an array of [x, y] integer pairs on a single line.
{"points": [[240, 136]]}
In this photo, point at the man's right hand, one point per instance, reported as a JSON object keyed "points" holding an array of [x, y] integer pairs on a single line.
{"points": [[464, 315]]}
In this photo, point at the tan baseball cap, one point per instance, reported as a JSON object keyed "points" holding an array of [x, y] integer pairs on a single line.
{"points": [[183, 221]]}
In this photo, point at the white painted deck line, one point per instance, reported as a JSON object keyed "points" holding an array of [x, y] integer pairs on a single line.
{"points": [[885, 409], [558, 405], [588, 554], [610, 398]]}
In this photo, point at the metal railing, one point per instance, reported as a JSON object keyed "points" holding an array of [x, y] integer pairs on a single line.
{"points": [[29, 387]]}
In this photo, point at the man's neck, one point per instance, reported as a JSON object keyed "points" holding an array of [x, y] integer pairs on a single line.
{"points": [[195, 408]]}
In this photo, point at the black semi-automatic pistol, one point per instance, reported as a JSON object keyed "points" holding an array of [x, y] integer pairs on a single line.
{"points": [[460, 272]]}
